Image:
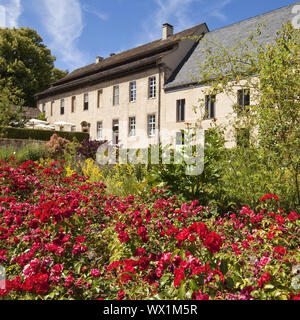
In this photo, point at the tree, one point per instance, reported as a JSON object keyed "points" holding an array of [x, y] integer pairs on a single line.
{"points": [[271, 72], [26, 64], [10, 116]]}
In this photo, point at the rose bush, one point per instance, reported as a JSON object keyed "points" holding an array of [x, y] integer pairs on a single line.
{"points": [[61, 237]]}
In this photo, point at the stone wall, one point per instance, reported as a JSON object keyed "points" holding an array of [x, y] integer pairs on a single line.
{"points": [[18, 143]]}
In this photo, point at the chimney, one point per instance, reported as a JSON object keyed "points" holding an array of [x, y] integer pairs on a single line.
{"points": [[98, 59], [167, 31]]}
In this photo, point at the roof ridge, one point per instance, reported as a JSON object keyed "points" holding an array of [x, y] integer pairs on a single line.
{"points": [[149, 47]]}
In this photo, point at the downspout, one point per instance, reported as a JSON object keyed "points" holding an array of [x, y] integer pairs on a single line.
{"points": [[159, 104]]}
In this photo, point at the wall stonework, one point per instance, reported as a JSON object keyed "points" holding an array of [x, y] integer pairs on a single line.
{"points": [[19, 143], [107, 112]]}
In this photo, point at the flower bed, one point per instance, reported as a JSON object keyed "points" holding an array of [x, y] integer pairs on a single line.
{"points": [[62, 238]]}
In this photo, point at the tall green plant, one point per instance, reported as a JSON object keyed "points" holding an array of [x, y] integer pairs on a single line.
{"points": [[272, 75], [203, 187]]}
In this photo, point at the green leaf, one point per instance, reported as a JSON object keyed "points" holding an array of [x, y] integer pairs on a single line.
{"points": [[164, 279], [224, 267], [229, 283], [181, 291], [269, 286]]}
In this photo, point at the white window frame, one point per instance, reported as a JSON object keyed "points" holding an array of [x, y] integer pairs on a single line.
{"points": [[132, 91], [210, 104], [115, 124], [244, 93], [179, 140], [99, 130], [86, 101], [132, 126], [152, 87], [180, 104], [151, 125], [51, 108], [62, 106], [116, 95], [73, 104], [99, 95]]}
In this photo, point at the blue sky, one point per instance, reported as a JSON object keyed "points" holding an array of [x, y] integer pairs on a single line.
{"points": [[77, 31]]}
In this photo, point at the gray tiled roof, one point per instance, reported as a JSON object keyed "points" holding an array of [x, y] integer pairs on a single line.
{"points": [[189, 72]]}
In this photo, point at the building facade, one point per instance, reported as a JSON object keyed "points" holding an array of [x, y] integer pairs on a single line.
{"points": [[147, 95]]}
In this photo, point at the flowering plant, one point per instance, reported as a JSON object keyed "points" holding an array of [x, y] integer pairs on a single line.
{"points": [[61, 237]]}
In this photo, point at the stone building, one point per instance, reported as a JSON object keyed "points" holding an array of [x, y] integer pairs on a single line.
{"points": [[130, 97]]}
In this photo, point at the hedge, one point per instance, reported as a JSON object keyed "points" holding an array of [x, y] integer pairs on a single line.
{"points": [[44, 135]]}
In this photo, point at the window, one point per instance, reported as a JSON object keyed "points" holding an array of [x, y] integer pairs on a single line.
{"points": [[152, 87], [210, 102], [180, 110], [179, 138], [86, 101], [62, 106], [44, 107], [85, 126], [99, 130], [73, 104], [151, 125], [243, 138], [115, 131], [116, 95], [99, 94], [132, 126], [73, 128], [243, 97], [132, 94], [51, 109]]}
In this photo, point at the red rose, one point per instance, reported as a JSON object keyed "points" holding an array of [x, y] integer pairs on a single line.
{"points": [[179, 275], [279, 219], [263, 279], [296, 297], [41, 283], [269, 196], [293, 216], [95, 273], [123, 237], [213, 242], [183, 235], [140, 252], [28, 284], [200, 296], [200, 228], [121, 295], [57, 269]]}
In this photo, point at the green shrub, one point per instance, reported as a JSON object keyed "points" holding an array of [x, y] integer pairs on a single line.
{"points": [[43, 135], [204, 187], [6, 153], [31, 152], [125, 179]]}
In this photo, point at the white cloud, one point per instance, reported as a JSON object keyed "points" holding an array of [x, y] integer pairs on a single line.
{"points": [[179, 13], [175, 10], [63, 21], [10, 11], [216, 10], [92, 10]]}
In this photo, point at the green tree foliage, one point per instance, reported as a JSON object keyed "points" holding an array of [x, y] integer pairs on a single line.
{"points": [[203, 187], [26, 64], [271, 72], [10, 116]]}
